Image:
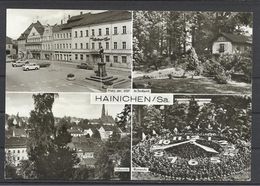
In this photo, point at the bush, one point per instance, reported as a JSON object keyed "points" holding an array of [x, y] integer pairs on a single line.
{"points": [[70, 75], [170, 76], [108, 83]]}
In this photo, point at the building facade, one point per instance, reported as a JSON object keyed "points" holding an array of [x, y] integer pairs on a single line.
{"points": [[47, 43], [33, 43], [62, 48], [227, 43]]}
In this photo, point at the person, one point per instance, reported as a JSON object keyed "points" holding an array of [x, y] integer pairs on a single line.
{"points": [[101, 54]]}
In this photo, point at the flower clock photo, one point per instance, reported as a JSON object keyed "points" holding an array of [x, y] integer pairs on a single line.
{"points": [[191, 157]]}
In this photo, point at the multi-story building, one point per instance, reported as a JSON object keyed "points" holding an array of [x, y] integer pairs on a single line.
{"points": [[111, 30], [62, 43], [33, 43], [9, 48], [47, 43], [16, 150], [81, 37]]}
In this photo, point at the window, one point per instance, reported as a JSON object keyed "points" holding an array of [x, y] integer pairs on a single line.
{"points": [[67, 34], [18, 158], [93, 32], [70, 34], [123, 59], [76, 56], [67, 45], [81, 45], [76, 45], [115, 45], [81, 56], [99, 45], [107, 59], [93, 46], [115, 59], [86, 33], [107, 31], [58, 35], [63, 45], [123, 45], [18, 151], [70, 45], [81, 33], [76, 34], [124, 29], [86, 45], [99, 32], [221, 48], [64, 35], [57, 46], [115, 30], [107, 45]]}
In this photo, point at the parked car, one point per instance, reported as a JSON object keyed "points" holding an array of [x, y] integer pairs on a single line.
{"points": [[31, 66], [85, 66], [20, 63], [9, 60], [44, 64]]}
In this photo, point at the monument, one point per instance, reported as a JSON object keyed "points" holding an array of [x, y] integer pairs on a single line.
{"points": [[101, 73]]}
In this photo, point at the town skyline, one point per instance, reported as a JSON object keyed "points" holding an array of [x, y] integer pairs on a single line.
{"points": [[73, 105], [29, 16]]}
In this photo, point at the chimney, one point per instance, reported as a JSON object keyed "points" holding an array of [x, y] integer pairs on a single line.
{"points": [[61, 22], [81, 13]]}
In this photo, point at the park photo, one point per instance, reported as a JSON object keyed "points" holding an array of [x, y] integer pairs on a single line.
{"points": [[192, 52], [51, 50], [51, 136], [198, 138]]}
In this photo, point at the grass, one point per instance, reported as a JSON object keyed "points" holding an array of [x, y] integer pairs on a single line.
{"points": [[200, 85]]}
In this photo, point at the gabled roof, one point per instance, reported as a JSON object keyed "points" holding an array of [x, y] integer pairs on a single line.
{"points": [[38, 26], [15, 142], [8, 40], [103, 17], [242, 39]]}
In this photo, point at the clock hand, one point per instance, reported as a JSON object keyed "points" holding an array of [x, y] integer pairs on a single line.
{"points": [[157, 147], [208, 149]]}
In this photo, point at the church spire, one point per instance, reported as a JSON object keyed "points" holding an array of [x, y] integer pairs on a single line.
{"points": [[103, 112]]}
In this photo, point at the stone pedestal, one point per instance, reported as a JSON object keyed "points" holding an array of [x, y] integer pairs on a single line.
{"points": [[101, 74]]}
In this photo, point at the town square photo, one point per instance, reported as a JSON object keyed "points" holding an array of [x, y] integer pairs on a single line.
{"points": [[68, 50], [192, 52], [51, 136]]}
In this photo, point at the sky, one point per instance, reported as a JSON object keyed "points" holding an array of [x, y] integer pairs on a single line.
{"points": [[66, 104], [18, 20]]}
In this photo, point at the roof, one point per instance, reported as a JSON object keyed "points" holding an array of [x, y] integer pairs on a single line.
{"points": [[107, 119], [8, 40], [38, 26], [57, 28], [19, 132], [15, 142], [242, 39], [103, 17]]}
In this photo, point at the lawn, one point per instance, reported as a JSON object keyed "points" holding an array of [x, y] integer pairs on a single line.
{"points": [[201, 85]]}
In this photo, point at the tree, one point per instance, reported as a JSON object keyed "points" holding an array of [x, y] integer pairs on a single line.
{"points": [[193, 111], [123, 118], [47, 149]]}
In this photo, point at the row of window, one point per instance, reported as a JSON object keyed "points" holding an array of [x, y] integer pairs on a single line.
{"points": [[68, 57], [86, 46], [18, 158], [62, 35], [16, 151], [107, 32], [33, 40], [115, 45]]}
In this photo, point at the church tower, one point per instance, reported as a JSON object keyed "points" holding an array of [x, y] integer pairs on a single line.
{"points": [[103, 112]]}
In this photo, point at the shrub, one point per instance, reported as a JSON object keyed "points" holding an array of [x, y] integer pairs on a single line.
{"points": [[170, 76], [108, 83], [70, 75]]}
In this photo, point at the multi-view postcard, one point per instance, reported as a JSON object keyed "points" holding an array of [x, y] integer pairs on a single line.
{"points": [[193, 69]]}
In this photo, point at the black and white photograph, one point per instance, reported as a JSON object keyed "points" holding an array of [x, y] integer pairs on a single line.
{"points": [[192, 52], [50, 50], [198, 138], [61, 136]]}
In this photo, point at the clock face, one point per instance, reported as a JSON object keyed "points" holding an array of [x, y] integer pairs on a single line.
{"points": [[177, 157]]}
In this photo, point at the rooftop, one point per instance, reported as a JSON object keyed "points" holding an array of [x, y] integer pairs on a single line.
{"points": [[235, 38]]}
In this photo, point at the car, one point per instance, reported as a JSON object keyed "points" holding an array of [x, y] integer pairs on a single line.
{"points": [[85, 66], [20, 63], [9, 60], [31, 66]]}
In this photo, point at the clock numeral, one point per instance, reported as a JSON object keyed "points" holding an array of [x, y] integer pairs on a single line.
{"points": [[158, 153], [172, 159], [165, 142]]}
